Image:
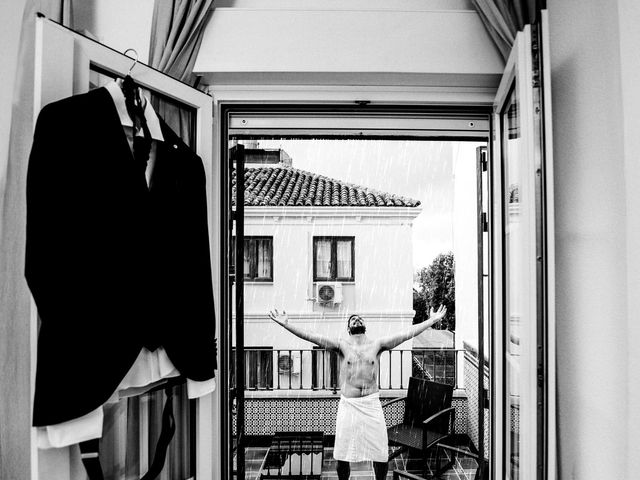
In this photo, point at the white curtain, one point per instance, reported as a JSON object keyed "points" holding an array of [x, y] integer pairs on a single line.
{"points": [[323, 258], [344, 258], [264, 258], [176, 34], [247, 258]]}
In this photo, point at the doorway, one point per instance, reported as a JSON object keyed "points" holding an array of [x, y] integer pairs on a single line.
{"points": [[380, 213]]}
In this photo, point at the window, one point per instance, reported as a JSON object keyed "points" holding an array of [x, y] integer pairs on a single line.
{"points": [[258, 259], [333, 259], [325, 369]]}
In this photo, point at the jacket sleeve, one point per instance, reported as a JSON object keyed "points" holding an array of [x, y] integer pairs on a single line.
{"points": [[61, 253], [47, 216], [195, 287]]}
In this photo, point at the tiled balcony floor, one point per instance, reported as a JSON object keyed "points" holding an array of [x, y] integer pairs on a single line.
{"points": [[463, 469]]}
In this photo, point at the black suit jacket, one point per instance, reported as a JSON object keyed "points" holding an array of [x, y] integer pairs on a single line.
{"points": [[112, 265]]}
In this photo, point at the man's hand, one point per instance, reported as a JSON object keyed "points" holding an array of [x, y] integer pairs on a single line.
{"points": [[279, 318], [435, 317]]}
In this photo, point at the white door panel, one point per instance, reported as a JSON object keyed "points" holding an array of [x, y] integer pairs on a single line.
{"points": [[65, 64], [523, 262]]}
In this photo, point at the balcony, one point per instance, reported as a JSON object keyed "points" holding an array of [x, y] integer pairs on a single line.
{"points": [[317, 370], [297, 390]]}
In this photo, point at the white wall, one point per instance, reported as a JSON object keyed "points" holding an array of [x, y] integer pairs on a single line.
{"points": [[253, 41], [120, 24], [381, 292], [595, 74], [465, 249], [628, 17]]}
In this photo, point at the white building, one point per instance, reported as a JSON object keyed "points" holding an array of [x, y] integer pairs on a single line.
{"points": [[304, 231]]}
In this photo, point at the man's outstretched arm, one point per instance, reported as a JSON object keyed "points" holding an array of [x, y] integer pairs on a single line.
{"points": [[320, 340], [387, 343]]}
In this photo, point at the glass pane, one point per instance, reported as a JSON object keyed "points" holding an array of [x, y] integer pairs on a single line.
{"points": [[248, 250], [344, 258], [323, 258], [515, 255], [123, 439], [264, 258], [412, 205]]}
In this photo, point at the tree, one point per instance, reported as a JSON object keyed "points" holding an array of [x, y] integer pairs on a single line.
{"points": [[436, 286]]}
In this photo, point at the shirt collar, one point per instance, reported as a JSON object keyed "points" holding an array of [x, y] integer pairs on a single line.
{"points": [[152, 119]]}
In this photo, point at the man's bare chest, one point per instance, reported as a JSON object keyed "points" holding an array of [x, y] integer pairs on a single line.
{"points": [[361, 355]]}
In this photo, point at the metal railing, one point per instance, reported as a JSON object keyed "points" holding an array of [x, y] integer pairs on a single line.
{"points": [[318, 369]]}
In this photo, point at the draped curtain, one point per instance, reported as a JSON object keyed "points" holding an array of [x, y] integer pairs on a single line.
{"points": [[343, 257], [504, 18], [177, 28]]}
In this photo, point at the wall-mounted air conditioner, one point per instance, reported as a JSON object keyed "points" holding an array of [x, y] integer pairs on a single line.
{"points": [[289, 362], [328, 293]]}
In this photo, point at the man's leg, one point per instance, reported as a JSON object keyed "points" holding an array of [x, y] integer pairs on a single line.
{"points": [[381, 469], [343, 470]]}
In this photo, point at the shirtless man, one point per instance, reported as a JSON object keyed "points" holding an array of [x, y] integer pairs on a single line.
{"points": [[361, 432]]}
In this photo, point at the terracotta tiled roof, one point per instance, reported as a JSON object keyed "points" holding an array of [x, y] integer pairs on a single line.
{"points": [[291, 187]]}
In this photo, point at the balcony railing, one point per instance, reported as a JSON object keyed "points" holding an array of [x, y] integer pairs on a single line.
{"points": [[318, 369]]}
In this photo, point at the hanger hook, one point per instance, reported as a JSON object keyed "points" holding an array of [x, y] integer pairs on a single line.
{"points": [[135, 60]]}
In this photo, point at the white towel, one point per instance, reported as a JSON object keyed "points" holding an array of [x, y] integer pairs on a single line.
{"points": [[361, 432]]}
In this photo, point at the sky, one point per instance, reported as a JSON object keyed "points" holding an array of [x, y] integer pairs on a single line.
{"points": [[422, 170]]}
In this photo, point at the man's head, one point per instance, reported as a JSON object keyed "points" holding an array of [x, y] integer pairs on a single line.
{"points": [[355, 325]]}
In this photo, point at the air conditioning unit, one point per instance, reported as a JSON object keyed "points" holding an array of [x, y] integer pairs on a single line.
{"points": [[328, 293], [289, 363]]}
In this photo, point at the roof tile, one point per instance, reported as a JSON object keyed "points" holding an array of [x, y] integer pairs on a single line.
{"points": [[288, 186]]}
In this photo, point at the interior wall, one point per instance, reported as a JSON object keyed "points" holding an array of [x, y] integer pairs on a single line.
{"points": [[629, 15], [420, 43], [120, 24], [17, 453], [597, 244]]}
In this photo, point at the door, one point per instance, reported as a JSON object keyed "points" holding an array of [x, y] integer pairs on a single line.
{"points": [[484, 332], [68, 63], [522, 252], [236, 334]]}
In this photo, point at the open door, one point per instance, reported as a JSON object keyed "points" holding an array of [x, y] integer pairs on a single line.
{"points": [[484, 332], [68, 63], [237, 438], [523, 264]]}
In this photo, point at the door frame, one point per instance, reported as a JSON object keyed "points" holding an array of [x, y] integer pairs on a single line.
{"points": [[527, 72], [227, 113]]}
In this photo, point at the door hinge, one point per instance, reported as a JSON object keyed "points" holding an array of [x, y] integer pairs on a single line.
{"points": [[485, 222], [486, 398]]}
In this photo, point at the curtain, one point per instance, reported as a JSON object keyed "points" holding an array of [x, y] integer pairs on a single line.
{"points": [[343, 255], [176, 34], [177, 28], [247, 258], [264, 258], [504, 18], [323, 258]]}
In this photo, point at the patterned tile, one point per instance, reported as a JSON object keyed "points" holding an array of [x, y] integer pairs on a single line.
{"points": [[265, 416]]}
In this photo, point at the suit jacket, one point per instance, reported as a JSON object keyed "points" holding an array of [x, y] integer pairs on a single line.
{"points": [[113, 265]]}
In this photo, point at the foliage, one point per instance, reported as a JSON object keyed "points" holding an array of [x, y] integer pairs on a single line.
{"points": [[436, 286]]}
